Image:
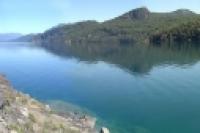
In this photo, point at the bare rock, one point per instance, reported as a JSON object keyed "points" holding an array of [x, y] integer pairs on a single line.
{"points": [[47, 107], [24, 112], [13, 131], [104, 130]]}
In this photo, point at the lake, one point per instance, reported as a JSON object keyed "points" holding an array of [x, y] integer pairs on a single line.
{"points": [[129, 88]]}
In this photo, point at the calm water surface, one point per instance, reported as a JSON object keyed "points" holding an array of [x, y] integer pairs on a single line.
{"points": [[130, 89]]}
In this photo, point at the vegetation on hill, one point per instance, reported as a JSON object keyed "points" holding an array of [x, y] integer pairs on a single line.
{"points": [[185, 32], [138, 25]]}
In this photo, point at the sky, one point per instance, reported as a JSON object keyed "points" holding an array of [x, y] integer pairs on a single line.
{"points": [[36, 16]]}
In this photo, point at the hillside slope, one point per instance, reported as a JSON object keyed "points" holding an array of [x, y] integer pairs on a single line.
{"points": [[138, 25], [186, 32]]}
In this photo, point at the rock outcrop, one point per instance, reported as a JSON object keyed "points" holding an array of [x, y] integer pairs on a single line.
{"points": [[19, 113], [104, 130], [137, 14]]}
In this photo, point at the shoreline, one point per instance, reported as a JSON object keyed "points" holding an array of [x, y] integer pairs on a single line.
{"points": [[19, 113]]}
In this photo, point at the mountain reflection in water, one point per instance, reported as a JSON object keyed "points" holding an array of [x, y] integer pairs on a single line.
{"points": [[135, 58]]}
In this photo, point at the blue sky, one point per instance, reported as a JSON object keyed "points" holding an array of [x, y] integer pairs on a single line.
{"points": [[33, 16]]}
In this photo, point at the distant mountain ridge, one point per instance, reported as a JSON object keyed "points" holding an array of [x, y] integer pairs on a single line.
{"points": [[184, 12], [9, 36], [136, 26], [25, 38]]}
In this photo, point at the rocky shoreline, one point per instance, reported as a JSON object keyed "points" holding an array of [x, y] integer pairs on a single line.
{"points": [[19, 113]]}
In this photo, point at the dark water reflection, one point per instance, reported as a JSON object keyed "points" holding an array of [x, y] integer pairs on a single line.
{"points": [[136, 58]]}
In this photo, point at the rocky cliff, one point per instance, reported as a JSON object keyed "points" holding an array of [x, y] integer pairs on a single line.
{"points": [[136, 14]]}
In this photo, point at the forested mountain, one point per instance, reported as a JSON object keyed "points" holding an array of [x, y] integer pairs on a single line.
{"points": [[138, 25], [185, 32]]}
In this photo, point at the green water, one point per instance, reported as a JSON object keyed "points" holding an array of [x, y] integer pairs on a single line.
{"points": [[129, 88]]}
